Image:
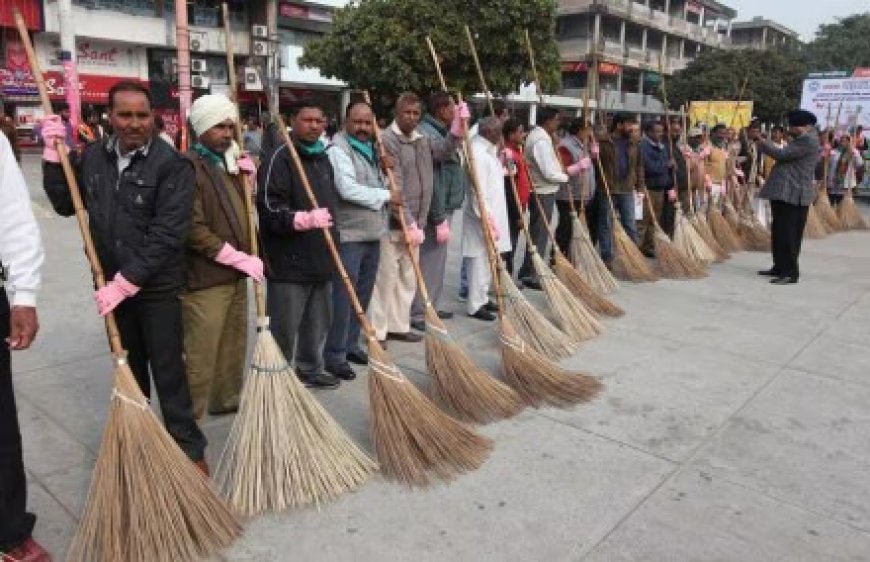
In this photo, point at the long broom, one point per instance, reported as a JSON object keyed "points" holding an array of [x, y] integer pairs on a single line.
{"points": [[414, 440], [849, 215], [815, 227], [670, 262], [463, 388], [722, 231], [147, 501], [284, 449]]}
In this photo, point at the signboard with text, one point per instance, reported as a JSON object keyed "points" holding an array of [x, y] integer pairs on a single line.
{"points": [[728, 112], [826, 97]]}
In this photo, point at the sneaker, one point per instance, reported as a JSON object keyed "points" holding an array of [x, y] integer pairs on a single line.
{"points": [[203, 467], [28, 551], [445, 315], [342, 371], [490, 307], [358, 356], [483, 314], [320, 380], [533, 284], [409, 337], [419, 325]]}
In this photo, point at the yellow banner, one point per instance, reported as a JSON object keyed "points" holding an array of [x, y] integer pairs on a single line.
{"points": [[715, 112]]}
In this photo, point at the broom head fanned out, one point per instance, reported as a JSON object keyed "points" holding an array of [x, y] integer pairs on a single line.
{"points": [[629, 263], [416, 442], [461, 387], [586, 259], [849, 214], [687, 239], [826, 212], [578, 285], [731, 215], [671, 263], [815, 227], [753, 235], [284, 449], [147, 502], [722, 231], [571, 315], [538, 379], [699, 221], [532, 326]]}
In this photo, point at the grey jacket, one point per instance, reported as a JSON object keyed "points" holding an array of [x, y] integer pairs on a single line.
{"points": [[361, 213], [450, 178], [793, 175], [414, 170]]}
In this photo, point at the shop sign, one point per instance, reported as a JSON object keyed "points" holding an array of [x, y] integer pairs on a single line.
{"points": [[574, 66], [92, 56], [608, 68]]}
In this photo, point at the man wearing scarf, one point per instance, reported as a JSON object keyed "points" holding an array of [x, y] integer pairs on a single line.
{"points": [[298, 262], [215, 305], [361, 219]]}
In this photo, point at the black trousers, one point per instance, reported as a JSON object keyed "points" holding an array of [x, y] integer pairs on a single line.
{"points": [[596, 210], [515, 215], [537, 232], [786, 234], [15, 523], [563, 227], [151, 331]]}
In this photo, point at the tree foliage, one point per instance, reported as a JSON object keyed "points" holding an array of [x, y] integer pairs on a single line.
{"points": [[380, 44], [842, 45]]}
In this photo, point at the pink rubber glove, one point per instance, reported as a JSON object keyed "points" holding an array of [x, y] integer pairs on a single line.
{"points": [[706, 151], [459, 116], [856, 152], [252, 266], [672, 195], [113, 293], [246, 165], [739, 173], [52, 129], [708, 181], [575, 168], [493, 229], [307, 220], [415, 235], [594, 150], [442, 232]]}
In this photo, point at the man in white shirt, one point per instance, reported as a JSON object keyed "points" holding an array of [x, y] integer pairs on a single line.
{"points": [[21, 255]]}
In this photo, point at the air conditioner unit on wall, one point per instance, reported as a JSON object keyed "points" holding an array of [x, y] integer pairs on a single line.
{"points": [[199, 82], [260, 49], [259, 31], [252, 81], [198, 43], [198, 65]]}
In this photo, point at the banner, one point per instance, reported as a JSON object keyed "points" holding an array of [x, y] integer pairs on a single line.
{"points": [[823, 97], [714, 112]]}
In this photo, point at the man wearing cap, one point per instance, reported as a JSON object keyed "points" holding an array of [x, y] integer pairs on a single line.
{"points": [[791, 190], [215, 305]]}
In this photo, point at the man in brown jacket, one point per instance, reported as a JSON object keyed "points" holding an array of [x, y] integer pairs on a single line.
{"points": [[218, 261]]}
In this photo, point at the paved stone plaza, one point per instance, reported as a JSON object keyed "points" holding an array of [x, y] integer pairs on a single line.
{"points": [[735, 426]]}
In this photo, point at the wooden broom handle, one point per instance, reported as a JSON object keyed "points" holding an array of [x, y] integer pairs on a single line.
{"points": [[75, 194], [330, 243], [394, 190], [479, 69], [259, 292]]}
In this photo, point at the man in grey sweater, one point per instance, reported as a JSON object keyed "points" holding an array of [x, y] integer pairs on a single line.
{"points": [[790, 187]]}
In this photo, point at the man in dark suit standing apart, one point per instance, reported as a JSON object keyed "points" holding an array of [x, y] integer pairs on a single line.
{"points": [[791, 190]]}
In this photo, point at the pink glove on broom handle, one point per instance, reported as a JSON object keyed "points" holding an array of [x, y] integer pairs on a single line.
{"points": [[246, 165], [442, 232], [308, 220], [52, 129], [459, 115], [252, 266], [113, 293], [577, 167], [594, 150], [493, 229]]}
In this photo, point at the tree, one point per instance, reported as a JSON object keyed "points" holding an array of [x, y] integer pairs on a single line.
{"points": [[773, 80], [842, 45], [380, 44]]}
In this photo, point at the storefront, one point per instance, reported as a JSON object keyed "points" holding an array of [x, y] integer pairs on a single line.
{"points": [[18, 94]]}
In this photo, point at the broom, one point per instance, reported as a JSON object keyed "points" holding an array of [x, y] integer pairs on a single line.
{"points": [[147, 501], [849, 215], [670, 262], [459, 385], [415, 441], [284, 450], [815, 228], [722, 231]]}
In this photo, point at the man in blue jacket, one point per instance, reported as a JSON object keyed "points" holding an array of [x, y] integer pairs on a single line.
{"points": [[659, 175]]}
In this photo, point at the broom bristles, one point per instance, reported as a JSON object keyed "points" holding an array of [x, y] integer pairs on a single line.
{"points": [[815, 227], [284, 449], [687, 239], [147, 501], [586, 259], [753, 235], [629, 263], [580, 288], [416, 442], [731, 215], [827, 212], [699, 221], [849, 214], [463, 388], [673, 264], [532, 326], [571, 314], [537, 379], [722, 232]]}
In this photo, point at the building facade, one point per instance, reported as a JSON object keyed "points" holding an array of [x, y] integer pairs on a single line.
{"points": [[760, 33]]}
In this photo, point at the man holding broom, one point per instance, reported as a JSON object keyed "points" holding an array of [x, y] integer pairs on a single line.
{"points": [[298, 263], [139, 195], [574, 148], [215, 306], [21, 258]]}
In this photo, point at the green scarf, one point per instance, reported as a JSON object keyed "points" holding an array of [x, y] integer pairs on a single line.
{"points": [[313, 148], [210, 155], [366, 149]]}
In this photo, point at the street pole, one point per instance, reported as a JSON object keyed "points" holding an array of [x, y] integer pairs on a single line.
{"points": [[68, 59], [273, 71], [182, 42]]}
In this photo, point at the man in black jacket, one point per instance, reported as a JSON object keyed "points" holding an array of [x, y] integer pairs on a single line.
{"points": [[298, 263], [139, 195]]}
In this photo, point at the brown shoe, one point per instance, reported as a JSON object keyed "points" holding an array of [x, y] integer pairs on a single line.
{"points": [[28, 551], [203, 467], [409, 337]]}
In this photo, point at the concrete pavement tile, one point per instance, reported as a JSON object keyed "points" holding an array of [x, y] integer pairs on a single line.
{"points": [[804, 440], [54, 526], [48, 448], [70, 485], [837, 358], [545, 494], [670, 399], [698, 518]]}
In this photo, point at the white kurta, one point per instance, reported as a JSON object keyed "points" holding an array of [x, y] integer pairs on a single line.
{"points": [[490, 178]]}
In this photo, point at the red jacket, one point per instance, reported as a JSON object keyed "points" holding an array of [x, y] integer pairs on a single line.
{"points": [[522, 176]]}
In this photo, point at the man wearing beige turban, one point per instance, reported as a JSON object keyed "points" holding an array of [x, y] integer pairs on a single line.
{"points": [[218, 261]]}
